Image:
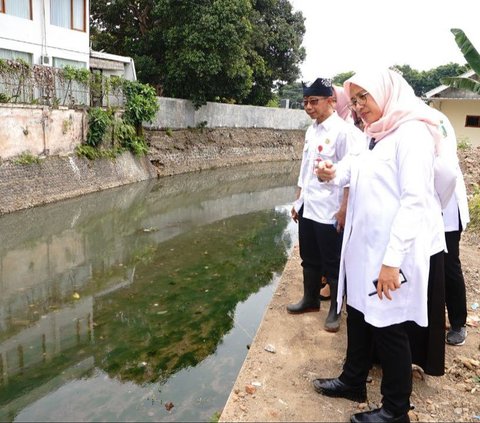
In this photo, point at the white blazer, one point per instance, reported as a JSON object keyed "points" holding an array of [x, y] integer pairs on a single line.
{"points": [[392, 218]]}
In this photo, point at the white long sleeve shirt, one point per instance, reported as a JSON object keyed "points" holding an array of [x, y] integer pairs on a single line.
{"points": [[458, 204], [393, 218], [332, 139]]}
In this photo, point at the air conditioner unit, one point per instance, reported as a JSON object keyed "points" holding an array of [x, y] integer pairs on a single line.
{"points": [[45, 60]]}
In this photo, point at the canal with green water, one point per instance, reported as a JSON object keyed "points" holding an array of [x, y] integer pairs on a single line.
{"points": [[138, 303]]}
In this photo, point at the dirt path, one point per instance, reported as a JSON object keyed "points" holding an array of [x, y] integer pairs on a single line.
{"points": [[276, 385]]}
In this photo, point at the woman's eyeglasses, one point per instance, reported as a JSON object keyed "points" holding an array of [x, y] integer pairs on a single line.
{"points": [[358, 100], [312, 101]]}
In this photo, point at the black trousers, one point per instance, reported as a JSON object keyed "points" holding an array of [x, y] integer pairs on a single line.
{"points": [[392, 349], [428, 344], [455, 293], [320, 246]]}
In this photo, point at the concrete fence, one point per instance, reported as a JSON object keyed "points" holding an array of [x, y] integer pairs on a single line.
{"points": [[44, 131], [180, 114], [40, 130]]}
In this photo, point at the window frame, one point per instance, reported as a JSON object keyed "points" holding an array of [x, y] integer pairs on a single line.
{"points": [[84, 29], [72, 22], [3, 7], [470, 117]]}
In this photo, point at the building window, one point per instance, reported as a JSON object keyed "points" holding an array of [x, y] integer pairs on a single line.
{"points": [[472, 121], [68, 14], [70, 92], [19, 8], [14, 55], [14, 85], [61, 63]]}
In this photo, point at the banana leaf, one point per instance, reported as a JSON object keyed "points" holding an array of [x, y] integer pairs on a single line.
{"points": [[462, 83], [468, 50]]}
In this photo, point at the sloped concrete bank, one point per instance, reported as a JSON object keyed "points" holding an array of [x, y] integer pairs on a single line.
{"points": [[187, 150], [57, 178]]}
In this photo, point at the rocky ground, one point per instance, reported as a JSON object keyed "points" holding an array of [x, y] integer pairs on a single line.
{"points": [[288, 352]]}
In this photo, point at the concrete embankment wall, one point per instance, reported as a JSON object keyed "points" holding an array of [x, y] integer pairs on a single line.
{"points": [[191, 150], [188, 145], [60, 177]]}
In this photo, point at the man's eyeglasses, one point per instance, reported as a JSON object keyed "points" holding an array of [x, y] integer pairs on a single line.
{"points": [[358, 100], [312, 101]]}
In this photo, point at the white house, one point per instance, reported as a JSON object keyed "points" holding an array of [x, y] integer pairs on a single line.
{"points": [[461, 107], [45, 32], [55, 33]]}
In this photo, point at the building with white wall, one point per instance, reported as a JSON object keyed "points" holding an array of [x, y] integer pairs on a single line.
{"points": [[45, 32], [55, 33], [461, 107]]}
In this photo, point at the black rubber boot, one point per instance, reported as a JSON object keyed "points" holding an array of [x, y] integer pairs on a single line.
{"points": [[332, 323], [311, 293]]}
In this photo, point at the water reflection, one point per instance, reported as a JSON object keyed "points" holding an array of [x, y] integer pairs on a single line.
{"points": [[119, 305]]}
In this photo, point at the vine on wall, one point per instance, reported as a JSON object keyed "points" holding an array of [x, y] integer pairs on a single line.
{"points": [[112, 129]]}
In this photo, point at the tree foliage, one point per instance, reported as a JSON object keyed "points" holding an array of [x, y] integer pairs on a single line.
{"points": [[424, 81], [276, 52], [205, 50], [294, 93], [340, 78], [473, 59]]}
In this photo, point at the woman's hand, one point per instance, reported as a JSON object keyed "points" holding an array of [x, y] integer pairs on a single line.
{"points": [[388, 280], [325, 170]]}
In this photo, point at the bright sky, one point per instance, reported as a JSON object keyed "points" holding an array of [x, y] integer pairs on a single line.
{"points": [[349, 35]]}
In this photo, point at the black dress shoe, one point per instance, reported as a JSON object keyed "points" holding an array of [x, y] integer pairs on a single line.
{"points": [[336, 388], [379, 415]]}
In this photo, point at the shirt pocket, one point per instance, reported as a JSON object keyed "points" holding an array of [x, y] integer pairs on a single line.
{"points": [[382, 165], [328, 149]]}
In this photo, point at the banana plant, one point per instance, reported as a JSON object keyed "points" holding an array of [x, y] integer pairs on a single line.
{"points": [[473, 59]]}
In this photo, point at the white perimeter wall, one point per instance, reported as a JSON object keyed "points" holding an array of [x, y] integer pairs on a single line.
{"points": [[177, 114]]}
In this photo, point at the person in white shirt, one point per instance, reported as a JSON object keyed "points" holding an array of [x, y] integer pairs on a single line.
{"points": [[320, 210], [455, 218], [393, 240], [341, 107]]}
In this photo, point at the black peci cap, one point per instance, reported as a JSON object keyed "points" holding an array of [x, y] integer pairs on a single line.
{"points": [[321, 87]]}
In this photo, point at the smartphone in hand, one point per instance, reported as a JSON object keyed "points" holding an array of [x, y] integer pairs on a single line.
{"points": [[402, 277]]}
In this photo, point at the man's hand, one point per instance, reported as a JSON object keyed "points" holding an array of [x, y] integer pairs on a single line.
{"points": [[294, 215], [340, 217], [341, 214], [325, 171]]}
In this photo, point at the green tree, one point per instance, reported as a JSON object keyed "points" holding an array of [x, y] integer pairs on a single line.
{"points": [[435, 77], [130, 27], [340, 78], [473, 59], [424, 81], [294, 93], [276, 52], [205, 50], [414, 77]]}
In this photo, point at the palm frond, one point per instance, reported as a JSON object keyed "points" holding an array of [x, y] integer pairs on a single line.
{"points": [[468, 50], [462, 83]]}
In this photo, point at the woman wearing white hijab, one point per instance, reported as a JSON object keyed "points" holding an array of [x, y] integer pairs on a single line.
{"points": [[393, 227]]}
